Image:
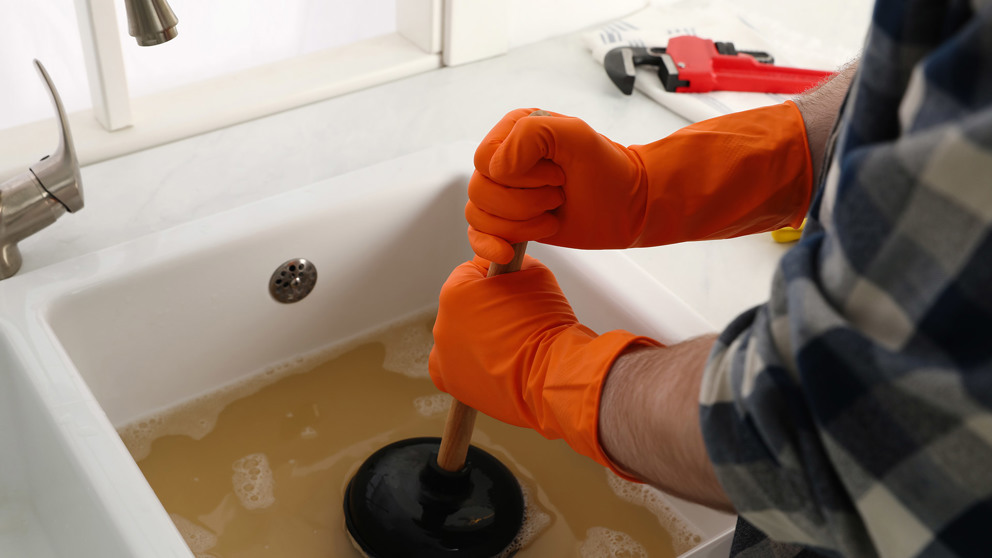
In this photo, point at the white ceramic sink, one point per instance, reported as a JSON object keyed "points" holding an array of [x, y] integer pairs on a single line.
{"points": [[107, 337]]}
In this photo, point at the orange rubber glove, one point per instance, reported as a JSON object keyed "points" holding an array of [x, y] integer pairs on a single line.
{"points": [[511, 347], [556, 180]]}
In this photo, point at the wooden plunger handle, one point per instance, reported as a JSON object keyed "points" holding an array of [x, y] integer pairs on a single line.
{"points": [[461, 418]]}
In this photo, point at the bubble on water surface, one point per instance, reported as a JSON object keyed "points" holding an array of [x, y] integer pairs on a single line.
{"points": [[308, 433], [607, 543], [683, 537], [139, 435], [407, 351], [253, 482], [536, 520], [431, 405], [198, 539]]}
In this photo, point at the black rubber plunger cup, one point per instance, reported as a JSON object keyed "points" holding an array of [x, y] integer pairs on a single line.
{"points": [[436, 497]]}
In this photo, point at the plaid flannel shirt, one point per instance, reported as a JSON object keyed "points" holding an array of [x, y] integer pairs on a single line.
{"points": [[851, 414]]}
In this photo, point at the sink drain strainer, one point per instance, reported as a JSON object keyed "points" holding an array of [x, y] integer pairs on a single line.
{"points": [[293, 280]]}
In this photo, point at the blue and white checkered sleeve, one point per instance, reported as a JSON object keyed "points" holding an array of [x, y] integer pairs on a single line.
{"points": [[852, 413]]}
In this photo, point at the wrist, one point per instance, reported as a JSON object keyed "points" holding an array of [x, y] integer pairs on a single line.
{"points": [[819, 108], [571, 392]]}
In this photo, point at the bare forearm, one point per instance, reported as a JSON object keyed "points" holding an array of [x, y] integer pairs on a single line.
{"points": [[649, 420], [819, 108]]}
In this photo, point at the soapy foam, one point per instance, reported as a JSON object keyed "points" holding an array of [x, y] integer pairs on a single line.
{"points": [[139, 435], [198, 538], [607, 543], [405, 352], [646, 496], [252, 481], [430, 405], [535, 521]]}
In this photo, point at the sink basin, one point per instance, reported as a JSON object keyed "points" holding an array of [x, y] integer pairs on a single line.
{"points": [[97, 341]]}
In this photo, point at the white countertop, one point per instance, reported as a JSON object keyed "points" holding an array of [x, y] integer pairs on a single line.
{"points": [[171, 184]]}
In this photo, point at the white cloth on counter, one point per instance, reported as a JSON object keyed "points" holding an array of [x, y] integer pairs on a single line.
{"points": [[798, 33]]}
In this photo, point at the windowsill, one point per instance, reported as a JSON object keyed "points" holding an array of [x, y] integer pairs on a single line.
{"points": [[223, 101]]}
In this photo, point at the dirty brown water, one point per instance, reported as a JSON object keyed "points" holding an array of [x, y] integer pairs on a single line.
{"points": [[259, 469]]}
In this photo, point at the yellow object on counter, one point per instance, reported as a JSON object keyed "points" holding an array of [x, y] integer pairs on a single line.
{"points": [[788, 234]]}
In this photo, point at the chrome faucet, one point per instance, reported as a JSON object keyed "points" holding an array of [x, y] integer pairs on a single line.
{"points": [[151, 22], [37, 197]]}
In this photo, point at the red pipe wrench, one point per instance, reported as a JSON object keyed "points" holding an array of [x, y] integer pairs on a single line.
{"points": [[695, 65]]}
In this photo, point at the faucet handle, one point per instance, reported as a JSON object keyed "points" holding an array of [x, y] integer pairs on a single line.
{"points": [[58, 173]]}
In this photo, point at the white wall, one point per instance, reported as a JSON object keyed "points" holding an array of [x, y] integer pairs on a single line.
{"points": [[223, 36], [46, 30]]}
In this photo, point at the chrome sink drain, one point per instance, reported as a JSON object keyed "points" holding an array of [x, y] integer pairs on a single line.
{"points": [[293, 280]]}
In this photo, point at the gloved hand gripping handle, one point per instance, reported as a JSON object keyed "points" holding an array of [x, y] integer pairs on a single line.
{"points": [[461, 418]]}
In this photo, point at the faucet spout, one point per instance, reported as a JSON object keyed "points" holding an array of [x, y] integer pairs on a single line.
{"points": [[151, 22], [58, 173]]}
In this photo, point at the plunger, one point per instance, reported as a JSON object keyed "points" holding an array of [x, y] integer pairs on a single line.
{"points": [[434, 497]]}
